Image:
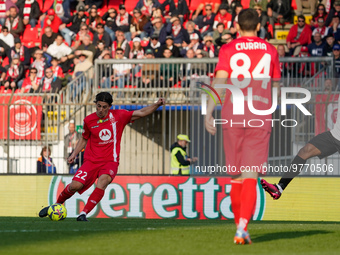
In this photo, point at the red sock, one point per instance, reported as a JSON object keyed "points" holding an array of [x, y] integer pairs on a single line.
{"points": [[248, 201], [93, 200], [65, 194], [235, 196]]}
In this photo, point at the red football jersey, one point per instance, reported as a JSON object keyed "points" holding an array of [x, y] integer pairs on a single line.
{"points": [[251, 62], [103, 135]]}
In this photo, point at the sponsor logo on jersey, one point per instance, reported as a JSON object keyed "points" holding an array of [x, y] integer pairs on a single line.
{"points": [[95, 126], [105, 134], [102, 121]]}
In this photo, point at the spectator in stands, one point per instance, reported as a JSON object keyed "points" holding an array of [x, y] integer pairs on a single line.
{"points": [[39, 63], [321, 28], [221, 35], [156, 27], [177, 8], [84, 30], [155, 46], [6, 38], [335, 11], [158, 13], [335, 29], [62, 8], [101, 49], [311, 4], [121, 71], [328, 49], [190, 27], [168, 72], [209, 47], [29, 10], [206, 23], [137, 25], [56, 69], [328, 86], [212, 7], [278, 11], [169, 44], [94, 19], [178, 32], [186, 69], [315, 48], [48, 38], [52, 21], [15, 73], [102, 35], [147, 7], [284, 66], [123, 21], [87, 45], [320, 13], [234, 20], [136, 52], [299, 35], [263, 32], [85, 62], [107, 71], [4, 8], [194, 44], [59, 49], [122, 43], [149, 71], [76, 20], [14, 22], [30, 82], [303, 69], [262, 3], [44, 162], [223, 17], [336, 54], [70, 142], [49, 83], [110, 23], [22, 51]]}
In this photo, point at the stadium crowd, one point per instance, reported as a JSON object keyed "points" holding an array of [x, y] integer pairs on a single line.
{"points": [[45, 44]]}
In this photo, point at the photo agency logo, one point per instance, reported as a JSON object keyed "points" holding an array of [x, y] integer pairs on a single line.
{"points": [[302, 96]]}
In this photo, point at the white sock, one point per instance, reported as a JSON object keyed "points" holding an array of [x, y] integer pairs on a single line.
{"points": [[82, 213]]}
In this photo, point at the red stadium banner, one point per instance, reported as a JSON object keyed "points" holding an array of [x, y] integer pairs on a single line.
{"points": [[158, 197], [326, 110], [25, 117]]}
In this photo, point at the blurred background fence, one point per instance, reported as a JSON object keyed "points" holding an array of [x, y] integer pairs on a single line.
{"points": [[31, 121]]}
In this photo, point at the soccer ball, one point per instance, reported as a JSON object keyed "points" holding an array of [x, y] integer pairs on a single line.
{"points": [[57, 212]]}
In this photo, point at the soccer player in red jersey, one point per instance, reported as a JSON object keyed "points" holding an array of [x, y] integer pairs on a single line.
{"points": [[247, 64], [102, 132]]}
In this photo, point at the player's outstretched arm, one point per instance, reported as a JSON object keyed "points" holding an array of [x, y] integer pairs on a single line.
{"points": [[80, 145], [147, 110]]}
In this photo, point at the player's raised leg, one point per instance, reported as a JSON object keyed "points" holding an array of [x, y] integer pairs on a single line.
{"points": [[68, 192], [321, 145]]}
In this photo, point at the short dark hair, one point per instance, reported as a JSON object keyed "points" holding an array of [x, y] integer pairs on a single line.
{"points": [[104, 97], [302, 17], [119, 49], [4, 28], [248, 19]]}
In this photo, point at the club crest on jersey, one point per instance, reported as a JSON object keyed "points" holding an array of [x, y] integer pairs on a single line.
{"points": [[105, 134]]}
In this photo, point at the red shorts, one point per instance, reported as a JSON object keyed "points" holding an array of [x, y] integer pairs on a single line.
{"points": [[88, 173], [245, 149]]}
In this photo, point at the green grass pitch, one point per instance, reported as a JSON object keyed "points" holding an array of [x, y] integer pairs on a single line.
{"points": [[141, 236]]}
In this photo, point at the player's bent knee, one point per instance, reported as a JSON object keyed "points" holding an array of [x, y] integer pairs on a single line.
{"points": [[103, 181], [75, 186], [308, 151]]}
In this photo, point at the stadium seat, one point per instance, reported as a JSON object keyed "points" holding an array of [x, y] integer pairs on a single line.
{"points": [[307, 17], [112, 3], [130, 5], [30, 37], [293, 5], [5, 62], [45, 5]]}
